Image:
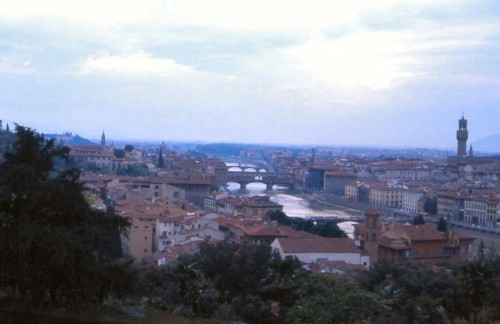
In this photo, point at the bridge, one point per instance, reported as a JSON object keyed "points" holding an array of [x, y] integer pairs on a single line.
{"points": [[247, 167], [268, 178]]}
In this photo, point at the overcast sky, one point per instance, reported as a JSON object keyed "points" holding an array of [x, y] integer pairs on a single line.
{"points": [[397, 73]]}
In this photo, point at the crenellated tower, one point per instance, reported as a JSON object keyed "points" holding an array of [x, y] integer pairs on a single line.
{"points": [[462, 136]]}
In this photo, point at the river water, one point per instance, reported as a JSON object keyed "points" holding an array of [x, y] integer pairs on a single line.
{"points": [[293, 205]]}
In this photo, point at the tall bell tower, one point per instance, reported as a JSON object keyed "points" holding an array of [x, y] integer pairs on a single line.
{"points": [[462, 136], [371, 235]]}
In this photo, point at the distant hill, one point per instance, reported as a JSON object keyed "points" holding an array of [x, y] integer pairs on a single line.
{"points": [[490, 144], [70, 139]]}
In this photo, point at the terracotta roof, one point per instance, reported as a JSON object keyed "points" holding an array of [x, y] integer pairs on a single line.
{"points": [[340, 174], [425, 232], [394, 244], [318, 245]]}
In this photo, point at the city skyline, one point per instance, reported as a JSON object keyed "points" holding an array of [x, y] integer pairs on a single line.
{"points": [[387, 73]]}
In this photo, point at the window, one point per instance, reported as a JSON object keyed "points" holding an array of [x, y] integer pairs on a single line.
{"points": [[176, 194], [145, 238]]}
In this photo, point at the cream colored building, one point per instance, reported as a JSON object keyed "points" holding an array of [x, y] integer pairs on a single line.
{"points": [[385, 195], [139, 241], [410, 200]]}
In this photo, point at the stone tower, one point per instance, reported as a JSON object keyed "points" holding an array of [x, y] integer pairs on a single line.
{"points": [[462, 135], [371, 236], [103, 140]]}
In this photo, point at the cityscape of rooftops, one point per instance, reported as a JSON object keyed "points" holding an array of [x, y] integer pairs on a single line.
{"points": [[250, 161]]}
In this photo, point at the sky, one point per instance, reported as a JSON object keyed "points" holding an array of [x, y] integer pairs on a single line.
{"points": [[368, 73]]}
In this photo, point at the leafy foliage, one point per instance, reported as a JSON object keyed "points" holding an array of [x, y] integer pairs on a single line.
{"points": [[325, 300], [249, 283], [442, 226], [226, 281], [6, 140], [418, 220], [430, 205], [119, 153], [55, 243], [325, 228], [135, 170], [478, 285]]}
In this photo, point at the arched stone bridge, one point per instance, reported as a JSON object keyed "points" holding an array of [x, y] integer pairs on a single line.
{"points": [[244, 167], [268, 178]]}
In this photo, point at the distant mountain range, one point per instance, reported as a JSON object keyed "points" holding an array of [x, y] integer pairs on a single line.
{"points": [[490, 144]]}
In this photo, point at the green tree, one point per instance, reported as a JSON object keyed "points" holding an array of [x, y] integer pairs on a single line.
{"points": [[135, 170], [416, 293], [325, 228], [48, 231], [477, 287], [161, 162], [442, 226], [119, 153], [280, 217], [418, 220], [129, 148], [430, 205], [325, 300]]}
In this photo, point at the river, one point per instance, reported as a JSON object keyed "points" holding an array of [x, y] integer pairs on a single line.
{"points": [[293, 205]]}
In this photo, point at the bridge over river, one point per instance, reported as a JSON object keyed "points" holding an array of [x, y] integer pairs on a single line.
{"points": [[268, 178]]}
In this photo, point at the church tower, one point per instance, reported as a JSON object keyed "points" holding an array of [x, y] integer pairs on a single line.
{"points": [[462, 135], [371, 236], [103, 139]]}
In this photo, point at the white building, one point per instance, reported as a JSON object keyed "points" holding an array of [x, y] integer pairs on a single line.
{"points": [[410, 198]]}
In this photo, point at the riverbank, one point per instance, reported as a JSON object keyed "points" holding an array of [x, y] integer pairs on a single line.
{"points": [[491, 241]]}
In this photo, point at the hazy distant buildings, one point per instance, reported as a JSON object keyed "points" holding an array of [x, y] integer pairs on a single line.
{"points": [[100, 157]]}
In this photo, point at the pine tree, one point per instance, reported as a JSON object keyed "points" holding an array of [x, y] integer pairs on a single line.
{"points": [[48, 232]]}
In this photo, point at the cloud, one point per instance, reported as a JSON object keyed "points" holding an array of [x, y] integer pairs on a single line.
{"points": [[102, 13], [15, 66], [364, 59], [136, 63]]}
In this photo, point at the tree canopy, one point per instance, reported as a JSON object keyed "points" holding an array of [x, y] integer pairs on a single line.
{"points": [[54, 242], [325, 228], [418, 220]]}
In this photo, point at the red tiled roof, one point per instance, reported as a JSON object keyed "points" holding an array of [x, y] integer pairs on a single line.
{"points": [[425, 232]]}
